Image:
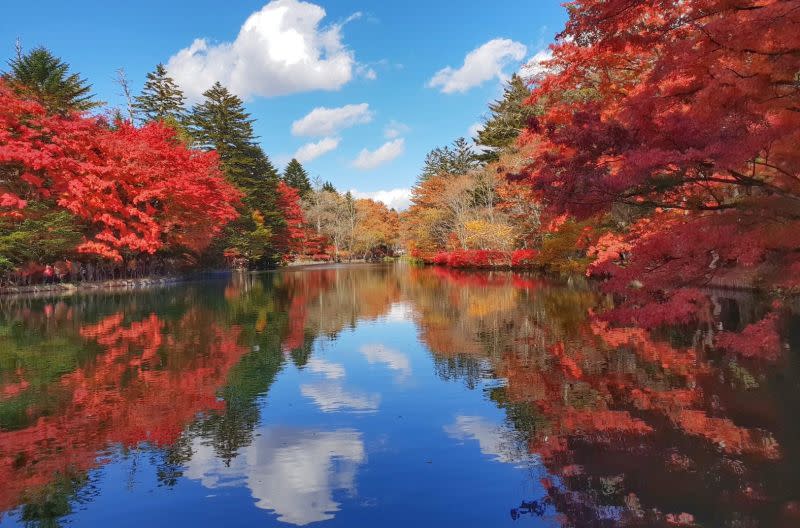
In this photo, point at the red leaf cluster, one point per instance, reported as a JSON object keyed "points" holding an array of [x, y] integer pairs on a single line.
{"points": [[678, 118], [139, 190]]}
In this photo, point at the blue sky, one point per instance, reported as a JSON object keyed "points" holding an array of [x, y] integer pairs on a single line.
{"points": [[375, 69]]}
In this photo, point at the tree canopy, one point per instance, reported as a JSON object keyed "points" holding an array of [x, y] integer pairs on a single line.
{"points": [[42, 76], [161, 98]]}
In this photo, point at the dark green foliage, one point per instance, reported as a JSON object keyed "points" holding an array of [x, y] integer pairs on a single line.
{"points": [[45, 235], [161, 98], [221, 123], [44, 77], [455, 160], [328, 187], [294, 175], [509, 115]]}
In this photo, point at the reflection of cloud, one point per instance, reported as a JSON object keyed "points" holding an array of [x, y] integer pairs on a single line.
{"points": [[400, 311], [489, 436], [395, 360], [293, 472], [326, 368], [332, 397]]}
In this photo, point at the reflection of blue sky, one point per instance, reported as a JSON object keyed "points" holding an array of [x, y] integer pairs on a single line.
{"points": [[290, 471]]}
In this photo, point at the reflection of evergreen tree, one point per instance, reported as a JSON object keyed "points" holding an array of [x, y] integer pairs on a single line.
{"points": [[45, 507], [461, 367], [301, 355], [233, 428]]}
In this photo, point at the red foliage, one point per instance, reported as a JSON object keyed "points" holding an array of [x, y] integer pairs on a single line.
{"points": [[473, 258], [290, 237], [760, 339], [139, 189], [685, 111], [524, 258], [485, 258]]}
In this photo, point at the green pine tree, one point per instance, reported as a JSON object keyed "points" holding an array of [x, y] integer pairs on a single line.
{"points": [[161, 98], [463, 159], [509, 115], [456, 160], [294, 175], [44, 77], [221, 123], [328, 187]]}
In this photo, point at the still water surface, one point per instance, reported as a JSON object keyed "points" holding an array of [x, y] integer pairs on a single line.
{"points": [[382, 396]]}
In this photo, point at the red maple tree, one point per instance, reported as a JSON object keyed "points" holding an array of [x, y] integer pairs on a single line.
{"points": [[138, 190], [685, 115]]}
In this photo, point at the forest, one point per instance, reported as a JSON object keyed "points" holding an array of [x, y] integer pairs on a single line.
{"points": [[655, 151]]}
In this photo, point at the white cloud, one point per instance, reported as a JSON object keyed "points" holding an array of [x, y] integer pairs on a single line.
{"points": [[398, 199], [480, 65], [395, 129], [332, 397], [534, 67], [311, 151], [280, 49], [323, 121], [371, 159], [293, 472], [326, 368]]}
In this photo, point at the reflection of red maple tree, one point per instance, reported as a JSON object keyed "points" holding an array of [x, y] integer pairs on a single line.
{"points": [[591, 392], [164, 388]]}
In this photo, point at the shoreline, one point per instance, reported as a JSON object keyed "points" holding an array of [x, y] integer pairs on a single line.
{"points": [[113, 285], [67, 288]]}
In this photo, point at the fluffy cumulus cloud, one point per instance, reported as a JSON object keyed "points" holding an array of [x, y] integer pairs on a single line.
{"points": [[280, 49], [534, 68], [398, 199], [371, 159], [324, 121], [480, 65], [311, 151]]}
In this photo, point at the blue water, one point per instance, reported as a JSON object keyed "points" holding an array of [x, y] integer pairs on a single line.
{"points": [[378, 396]]}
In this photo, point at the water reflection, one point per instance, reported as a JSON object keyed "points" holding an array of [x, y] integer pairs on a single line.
{"points": [[283, 383], [333, 397], [292, 472], [395, 360]]}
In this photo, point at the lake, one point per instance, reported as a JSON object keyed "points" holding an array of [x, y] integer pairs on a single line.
{"points": [[384, 395]]}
